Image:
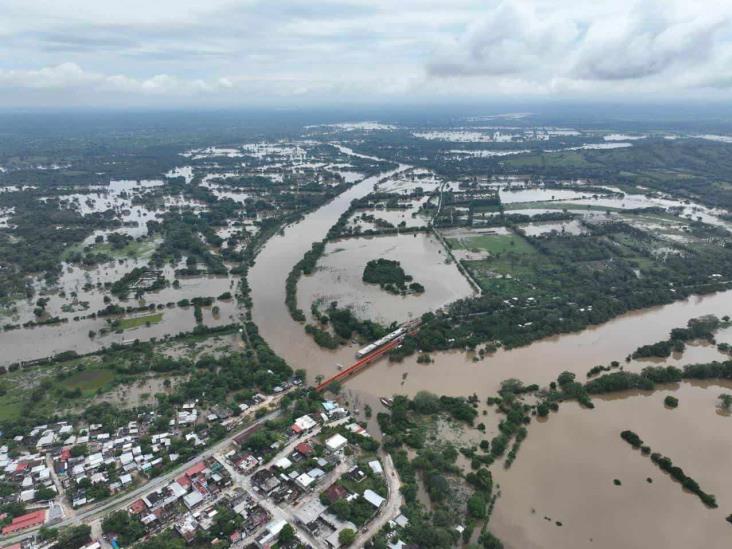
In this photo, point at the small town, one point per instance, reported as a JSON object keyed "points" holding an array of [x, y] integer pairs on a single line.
{"points": [[319, 483]]}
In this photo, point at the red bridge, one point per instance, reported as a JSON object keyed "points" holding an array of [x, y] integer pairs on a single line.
{"points": [[360, 365]]}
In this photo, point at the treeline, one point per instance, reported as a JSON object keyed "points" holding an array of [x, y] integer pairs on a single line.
{"points": [[702, 328], [344, 324], [308, 263], [666, 465], [305, 266], [650, 376]]}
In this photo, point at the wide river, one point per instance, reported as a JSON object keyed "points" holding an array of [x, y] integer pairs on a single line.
{"points": [[560, 491], [452, 373]]}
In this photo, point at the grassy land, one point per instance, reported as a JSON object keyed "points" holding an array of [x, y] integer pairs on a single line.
{"points": [[493, 244], [89, 381], [135, 249], [563, 159], [136, 322], [558, 205]]}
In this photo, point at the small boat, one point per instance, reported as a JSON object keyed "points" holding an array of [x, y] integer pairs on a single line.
{"points": [[387, 402]]}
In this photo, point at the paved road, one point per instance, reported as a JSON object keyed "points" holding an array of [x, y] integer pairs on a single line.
{"points": [[391, 509]]}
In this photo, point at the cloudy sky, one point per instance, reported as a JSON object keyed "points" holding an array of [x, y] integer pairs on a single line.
{"points": [[56, 53]]}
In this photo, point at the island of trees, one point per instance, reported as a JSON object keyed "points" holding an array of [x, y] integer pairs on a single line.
{"points": [[390, 276]]}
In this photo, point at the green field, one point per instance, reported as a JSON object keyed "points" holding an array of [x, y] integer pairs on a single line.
{"points": [[136, 322], [88, 381], [559, 205], [493, 244], [134, 249]]}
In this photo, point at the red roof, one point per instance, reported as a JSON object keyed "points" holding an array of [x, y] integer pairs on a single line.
{"points": [[184, 481], [296, 428], [65, 454], [137, 507], [14, 546], [304, 448], [36, 518], [335, 492], [21, 466], [197, 468]]}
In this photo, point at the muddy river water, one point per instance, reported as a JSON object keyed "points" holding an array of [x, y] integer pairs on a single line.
{"points": [[565, 469]]}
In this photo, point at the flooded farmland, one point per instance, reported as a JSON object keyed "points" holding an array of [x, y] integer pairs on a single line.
{"points": [[457, 235], [566, 468], [338, 277], [73, 335]]}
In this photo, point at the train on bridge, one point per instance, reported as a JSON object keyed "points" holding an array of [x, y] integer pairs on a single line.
{"points": [[372, 351]]}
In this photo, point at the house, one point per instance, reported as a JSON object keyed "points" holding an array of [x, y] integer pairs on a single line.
{"points": [[272, 531], [246, 462], [192, 499], [309, 513], [303, 424], [23, 522], [376, 467], [316, 473], [283, 464], [336, 442], [373, 498], [195, 469], [335, 492], [265, 481], [304, 481], [187, 528], [304, 449], [137, 507]]}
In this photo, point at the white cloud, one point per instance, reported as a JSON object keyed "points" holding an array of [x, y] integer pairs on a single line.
{"points": [[233, 51], [603, 45]]}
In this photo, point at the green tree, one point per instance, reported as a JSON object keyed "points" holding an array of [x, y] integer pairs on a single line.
{"points": [[346, 536], [127, 528], [287, 534], [477, 506], [725, 401], [489, 541], [426, 403], [73, 537]]}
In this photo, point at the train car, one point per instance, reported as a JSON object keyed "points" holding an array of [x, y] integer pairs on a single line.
{"points": [[371, 347]]}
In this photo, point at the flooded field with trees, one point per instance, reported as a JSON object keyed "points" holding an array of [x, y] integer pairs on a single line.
{"points": [[231, 264]]}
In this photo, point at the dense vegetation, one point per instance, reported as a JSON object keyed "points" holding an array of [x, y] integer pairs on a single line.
{"points": [[390, 276], [435, 467], [702, 328]]}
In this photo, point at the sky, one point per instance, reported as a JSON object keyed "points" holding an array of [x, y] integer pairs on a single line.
{"points": [[243, 53]]}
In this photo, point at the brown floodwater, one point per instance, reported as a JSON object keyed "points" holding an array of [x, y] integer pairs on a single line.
{"points": [[267, 281], [339, 273], [566, 467], [43, 341], [453, 373], [573, 227]]}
